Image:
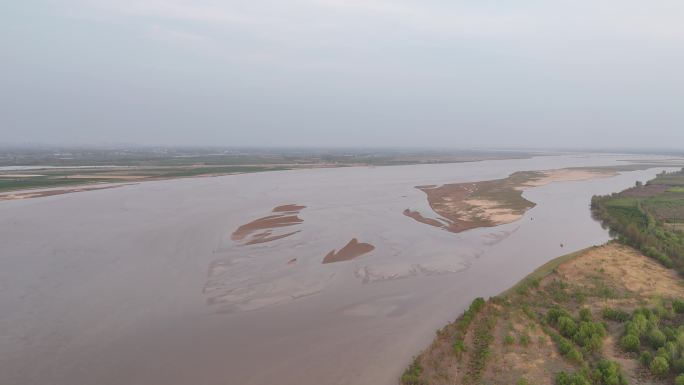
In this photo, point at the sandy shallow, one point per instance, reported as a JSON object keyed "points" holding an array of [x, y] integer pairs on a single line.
{"points": [[144, 284]]}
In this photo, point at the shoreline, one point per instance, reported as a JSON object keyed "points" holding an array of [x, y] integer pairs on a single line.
{"points": [[116, 179]]}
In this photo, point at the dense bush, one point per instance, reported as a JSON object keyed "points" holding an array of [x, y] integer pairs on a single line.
{"points": [[459, 346], [679, 380], [589, 335], [566, 326], [630, 343], [605, 373], [567, 349], [645, 358], [577, 378], [609, 373], [553, 314], [637, 325], [659, 367], [615, 315], [463, 323], [656, 338], [678, 365], [412, 374], [585, 314], [678, 306]]}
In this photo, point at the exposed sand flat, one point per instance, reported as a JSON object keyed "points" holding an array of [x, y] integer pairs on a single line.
{"points": [[261, 230], [566, 175], [420, 218], [351, 250], [290, 207], [47, 193], [106, 176], [19, 175], [269, 222], [267, 237], [492, 211]]}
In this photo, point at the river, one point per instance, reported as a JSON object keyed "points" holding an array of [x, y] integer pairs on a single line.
{"points": [[143, 285]]}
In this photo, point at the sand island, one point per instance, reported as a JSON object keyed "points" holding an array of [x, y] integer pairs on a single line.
{"points": [[464, 206]]}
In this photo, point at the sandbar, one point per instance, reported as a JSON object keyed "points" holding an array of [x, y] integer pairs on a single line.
{"points": [[261, 230], [351, 250]]}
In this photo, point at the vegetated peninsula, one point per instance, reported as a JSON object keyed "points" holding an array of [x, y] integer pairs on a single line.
{"points": [[611, 314]]}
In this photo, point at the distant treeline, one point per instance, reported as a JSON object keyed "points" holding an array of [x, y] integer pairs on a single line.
{"points": [[630, 216]]}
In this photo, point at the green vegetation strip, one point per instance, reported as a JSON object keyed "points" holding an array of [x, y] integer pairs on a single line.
{"points": [[646, 217]]}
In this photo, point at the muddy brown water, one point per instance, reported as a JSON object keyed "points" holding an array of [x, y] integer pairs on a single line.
{"points": [[142, 284]]}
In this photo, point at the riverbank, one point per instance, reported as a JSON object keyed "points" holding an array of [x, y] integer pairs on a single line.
{"points": [[513, 339]]}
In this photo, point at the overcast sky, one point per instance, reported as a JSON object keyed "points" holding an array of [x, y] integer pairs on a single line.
{"points": [[444, 73]]}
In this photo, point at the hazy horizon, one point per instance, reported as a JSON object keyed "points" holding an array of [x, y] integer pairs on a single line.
{"points": [[341, 74]]}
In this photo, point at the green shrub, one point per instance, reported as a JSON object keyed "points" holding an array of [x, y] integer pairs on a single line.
{"points": [[630, 343], [679, 380], [524, 339], [522, 381], [659, 367], [678, 306], [637, 325], [609, 373], [589, 335], [566, 326], [656, 338], [509, 339], [459, 346], [615, 315], [585, 314], [577, 378], [575, 356], [477, 304], [670, 351], [669, 333], [678, 365], [553, 314], [645, 358], [412, 374]]}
